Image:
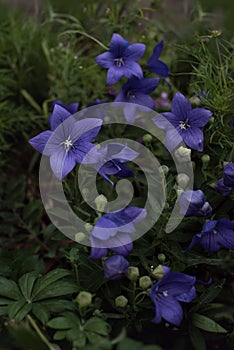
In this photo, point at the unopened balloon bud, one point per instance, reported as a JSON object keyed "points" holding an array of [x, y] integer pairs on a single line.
{"points": [[145, 282], [121, 301], [79, 237], [133, 273], [100, 202], [84, 299], [182, 180]]}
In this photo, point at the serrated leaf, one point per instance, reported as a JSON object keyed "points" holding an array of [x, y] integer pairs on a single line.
{"points": [[197, 338], [97, 325], [57, 289], [207, 324], [47, 280], [26, 283], [9, 289]]}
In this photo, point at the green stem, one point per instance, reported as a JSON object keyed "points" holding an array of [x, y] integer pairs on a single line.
{"points": [[87, 36], [221, 63], [41, 335]]}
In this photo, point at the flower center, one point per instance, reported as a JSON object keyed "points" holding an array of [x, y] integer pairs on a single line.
{"points": [[67, 144], [119, 62], [165, 293], [184, 125], [131, 94]]}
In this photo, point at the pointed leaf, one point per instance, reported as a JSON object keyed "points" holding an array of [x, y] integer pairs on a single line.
{"points": [[26, 283], [57, 289], [44, 282], [97, 325], [41, 312], [207, 324], [9, 289], [19, 309], [62, 322], [197, 338]]}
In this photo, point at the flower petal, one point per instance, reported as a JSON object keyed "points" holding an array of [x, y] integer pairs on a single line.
{"points": [[62, 163], [118, 45], [180, 106], [58, 116], [159, 68], [86, 129], [172, 139], [134, 52], [157, 52], [114, 74], [171, 310], [166, 120], [132, 69], [39, 142], [105, 60], [199, 117], [193, 137]]}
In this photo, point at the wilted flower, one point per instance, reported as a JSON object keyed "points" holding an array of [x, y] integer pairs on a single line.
{"points": [[112, 231], [121, 60], [115, 267], [214, 235], [166, 294], [137, 91], [157, 66], [224, 190], [183, 123], [193, 203]]}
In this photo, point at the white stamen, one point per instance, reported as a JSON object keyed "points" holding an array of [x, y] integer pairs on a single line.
{"points": [[165, 293], [67, 144], [119, 62]]}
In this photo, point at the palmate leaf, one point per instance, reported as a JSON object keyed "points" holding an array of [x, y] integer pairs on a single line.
{"points": [[9, 289], [26, 283]]}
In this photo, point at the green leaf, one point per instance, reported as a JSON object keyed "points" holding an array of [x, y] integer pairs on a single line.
{"points": [[47, 280], [197, 338], [128, 343], [57, 289], [60, 335], [19, 309], [63, 322], [212, 292], [26, 283], [97, 325], [9, 289], [31, 101], [41, 312], [206, 324]]}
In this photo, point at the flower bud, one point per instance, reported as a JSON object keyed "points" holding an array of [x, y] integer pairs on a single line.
{"points": [[211, 120], [179, 192], [147, 138], [195, 101], [214, 33], [161, 258], [133, 273], [182, 180], [88, 227], [79, 237], [100, 202], [160, 271], [183, 154], [84, 299], [145, 282], [164, 170], [121, 301], [205, 160]]}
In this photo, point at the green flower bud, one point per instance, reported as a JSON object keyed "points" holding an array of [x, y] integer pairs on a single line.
{"points": [[147, 138], [195, 101], [183, 154], [211, 120], [162, 258], [182, 180], [205, 160], [88, 227], [84, 299], [163, 169], [79, 237], [145, 282], [100, 202], [160, 271], [179, 191], [133, 273], [121, 301]]}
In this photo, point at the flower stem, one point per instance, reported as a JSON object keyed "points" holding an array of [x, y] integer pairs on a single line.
{"points": [[221, 63], [40, 334]]}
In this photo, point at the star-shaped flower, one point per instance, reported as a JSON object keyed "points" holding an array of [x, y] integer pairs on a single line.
{"points": [[68, 140], [214, 235], [166, 294], [183, 123], [137, 91], [155, 65], [121, 60], [112, 232]]}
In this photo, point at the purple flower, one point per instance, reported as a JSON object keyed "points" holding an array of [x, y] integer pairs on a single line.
{"points": [[72, 108], [121, 59], [113, 155], [183, 123], [67, 142], [214, 235], [112, 232], [155, 65], [228, 175], [166, 294], [193, 203], [224, 190], [115, 267], [137, 91]]}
